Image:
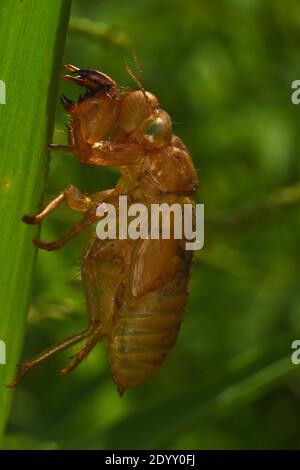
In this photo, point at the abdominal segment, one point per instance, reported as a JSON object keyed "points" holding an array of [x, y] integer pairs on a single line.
{"points": [[145, 329], [138, 331]]}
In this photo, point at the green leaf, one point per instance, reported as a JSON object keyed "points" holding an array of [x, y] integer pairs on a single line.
{"points": [[32, 37]]}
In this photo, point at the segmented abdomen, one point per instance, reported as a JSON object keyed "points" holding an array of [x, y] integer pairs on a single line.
{"points": [[145, 330]]}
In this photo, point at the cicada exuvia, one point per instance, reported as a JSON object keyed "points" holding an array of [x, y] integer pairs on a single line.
{"points": [[136, 290]]}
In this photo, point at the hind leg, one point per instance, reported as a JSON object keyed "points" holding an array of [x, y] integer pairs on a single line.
{"points": [[93, 331], [78, 358], [28, 365], [92, 287], [101, 278]]}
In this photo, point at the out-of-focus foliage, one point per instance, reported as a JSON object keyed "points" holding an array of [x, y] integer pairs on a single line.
{"points": [[223, 70]]}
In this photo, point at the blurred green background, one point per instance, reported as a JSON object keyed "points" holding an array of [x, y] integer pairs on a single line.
{"points": [[223, 70]]}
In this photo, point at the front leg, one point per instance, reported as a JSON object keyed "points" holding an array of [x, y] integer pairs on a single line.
{"points": [[110, 153], [104, 153]]}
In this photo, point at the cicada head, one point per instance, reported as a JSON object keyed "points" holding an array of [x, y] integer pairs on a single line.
{"points": [[96, 111], [143, 121]]}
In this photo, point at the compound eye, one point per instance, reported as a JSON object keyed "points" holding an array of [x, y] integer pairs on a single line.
{"points": [[155, 128], [158, 130]]}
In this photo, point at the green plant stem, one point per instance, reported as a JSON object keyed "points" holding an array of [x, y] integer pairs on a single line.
{"points": [[102, 33], [32, 37]]}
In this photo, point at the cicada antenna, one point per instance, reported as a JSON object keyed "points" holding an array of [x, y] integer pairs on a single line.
{"points": [[139, 67], [138, 80]]}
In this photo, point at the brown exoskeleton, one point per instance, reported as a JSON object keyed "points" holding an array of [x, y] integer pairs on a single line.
{"points": [[136, 290]]}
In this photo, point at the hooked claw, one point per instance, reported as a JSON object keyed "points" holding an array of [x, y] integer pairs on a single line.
{"points": [[91, 79], [67, 103]]}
